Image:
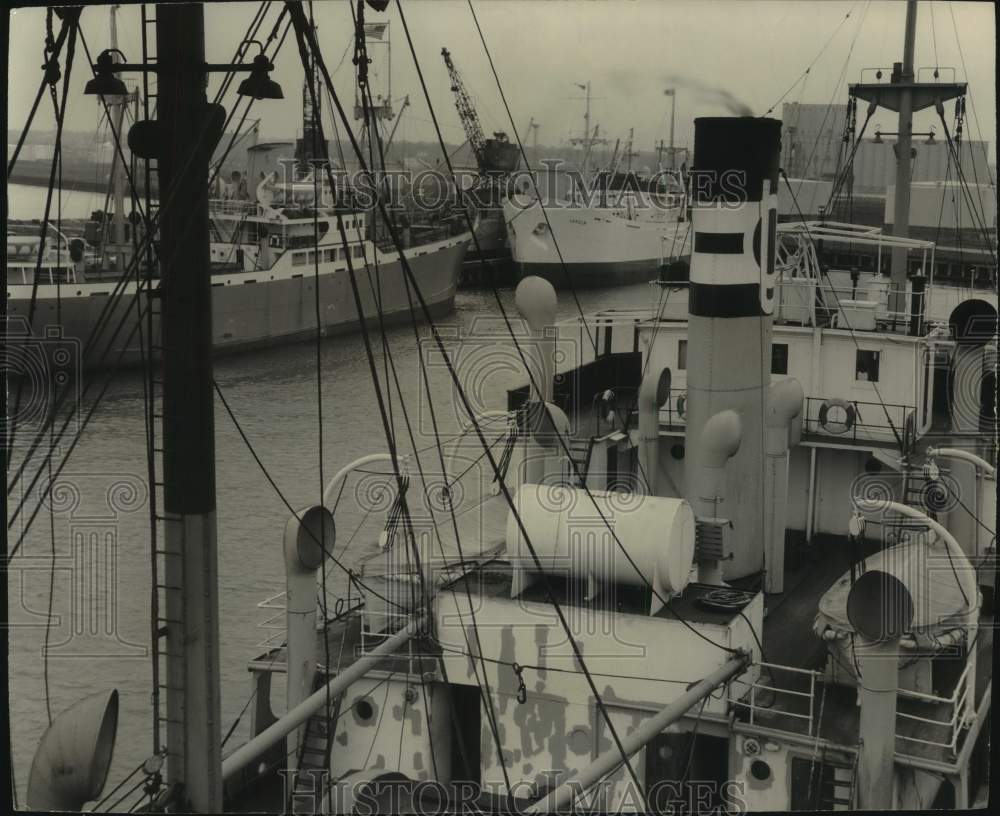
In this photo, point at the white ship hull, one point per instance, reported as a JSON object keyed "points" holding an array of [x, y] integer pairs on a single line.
{"points": [[585, 247]]}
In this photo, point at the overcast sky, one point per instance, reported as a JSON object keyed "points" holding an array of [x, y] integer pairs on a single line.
{"points": [[630, 51]]}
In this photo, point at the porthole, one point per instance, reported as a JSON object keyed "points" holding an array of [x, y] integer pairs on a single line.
{"points": [[364, 710], [760, 770]]}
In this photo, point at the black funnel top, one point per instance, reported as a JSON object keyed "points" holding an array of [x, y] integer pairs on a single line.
{"points": [[725, 146]]}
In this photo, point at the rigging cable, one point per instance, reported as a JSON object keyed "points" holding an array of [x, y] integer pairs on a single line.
{"points": [[486, 693], [804, 75], [112, 300], [306, 36], [50, 76], [534, 182], [850, 329], [73, 15], [533, 383]]}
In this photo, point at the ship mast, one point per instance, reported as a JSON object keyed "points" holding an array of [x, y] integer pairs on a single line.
{"points": [[906, 96], [116, 109], [588, 139], [901, 214], [191, 560]]}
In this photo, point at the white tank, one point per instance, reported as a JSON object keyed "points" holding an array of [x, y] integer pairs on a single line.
{"points": [[570, 537]]}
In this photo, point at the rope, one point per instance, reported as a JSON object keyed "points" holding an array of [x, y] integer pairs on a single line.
{"points": [[524, 157], [850, 329], [528, 369], [306, 36]]}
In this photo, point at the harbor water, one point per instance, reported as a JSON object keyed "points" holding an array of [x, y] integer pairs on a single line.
{"points": [[99, 633]]}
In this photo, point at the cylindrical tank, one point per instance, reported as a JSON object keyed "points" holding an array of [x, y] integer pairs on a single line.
{"points": [[570, 537]]}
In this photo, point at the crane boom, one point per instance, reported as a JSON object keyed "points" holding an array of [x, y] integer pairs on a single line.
{"points": [[494, 155]]}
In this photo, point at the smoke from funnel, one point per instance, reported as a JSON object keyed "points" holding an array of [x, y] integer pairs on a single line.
{"points": [[710, 93]]}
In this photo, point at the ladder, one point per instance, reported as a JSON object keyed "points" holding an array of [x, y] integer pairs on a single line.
{"points": [[580, 451], [314, 759], [166, 566]]}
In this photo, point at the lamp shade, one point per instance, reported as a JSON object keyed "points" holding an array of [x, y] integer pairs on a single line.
{"points": [[259, 84]]}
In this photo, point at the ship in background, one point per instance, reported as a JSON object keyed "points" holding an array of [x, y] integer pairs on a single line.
{"points": [[270, 249], [614, 229], [733, 555]]}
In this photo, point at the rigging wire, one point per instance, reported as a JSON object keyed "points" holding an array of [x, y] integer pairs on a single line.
{"points": [[850, 329], [486, 694], [98, 329], [534, 384], [60, 119], [805, 74], [51, 52], [305, 36], [836, 89], [524, 156]]}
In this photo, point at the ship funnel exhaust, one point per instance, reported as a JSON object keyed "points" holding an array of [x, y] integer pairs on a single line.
{"points": [[880, 608], [535, 299], [731, 299], [73, 758], [309, 535]]}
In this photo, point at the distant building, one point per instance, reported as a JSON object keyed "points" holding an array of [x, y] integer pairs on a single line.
{"points": [[813, 148], [812, 139]]}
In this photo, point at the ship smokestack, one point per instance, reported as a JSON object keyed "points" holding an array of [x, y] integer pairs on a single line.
{"points": [[784, 429], [880, 608], [731, 300], [535, 299], [307, 534]]}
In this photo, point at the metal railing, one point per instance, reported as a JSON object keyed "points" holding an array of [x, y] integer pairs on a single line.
{"points": [[378, 626], [796, 700], [807, 695], [951, 726], [869, 420], [233, 206]]}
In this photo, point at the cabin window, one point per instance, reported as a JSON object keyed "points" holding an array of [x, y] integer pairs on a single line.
{"points": [[866, 365], [298, 259], [682, 354], [329, 254], [779, 358], [312, 256], [359, 251]]}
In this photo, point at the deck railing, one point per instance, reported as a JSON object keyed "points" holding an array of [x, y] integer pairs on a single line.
{"points": [[949, 727], [796, 700], [804, 694]]}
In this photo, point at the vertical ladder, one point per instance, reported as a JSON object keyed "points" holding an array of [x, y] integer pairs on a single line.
{"points": [[314, 759], [580, 451], [163, 577]]}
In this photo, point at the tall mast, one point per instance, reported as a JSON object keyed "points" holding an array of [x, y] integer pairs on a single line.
{"points": [[191, 569], [116, 106], [904, 140], [906, 96]]}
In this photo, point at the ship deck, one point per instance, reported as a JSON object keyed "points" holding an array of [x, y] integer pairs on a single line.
{"points": [[803, 703]]}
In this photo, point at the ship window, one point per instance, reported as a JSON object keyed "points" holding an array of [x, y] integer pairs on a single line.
{"points": [[682, 354], [866, 365], [779, 358], [312, 256], [342, 254], [359, 251], [328, 254], [298, 259]]}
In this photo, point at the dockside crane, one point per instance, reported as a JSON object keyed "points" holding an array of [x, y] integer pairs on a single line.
{"points": [[496, 155]]}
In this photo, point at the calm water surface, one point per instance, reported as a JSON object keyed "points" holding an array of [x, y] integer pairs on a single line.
{"points": [[99, 522]]}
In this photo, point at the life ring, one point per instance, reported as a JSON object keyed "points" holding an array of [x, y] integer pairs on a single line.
{"points": [[837, 426], [682, 406]]}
